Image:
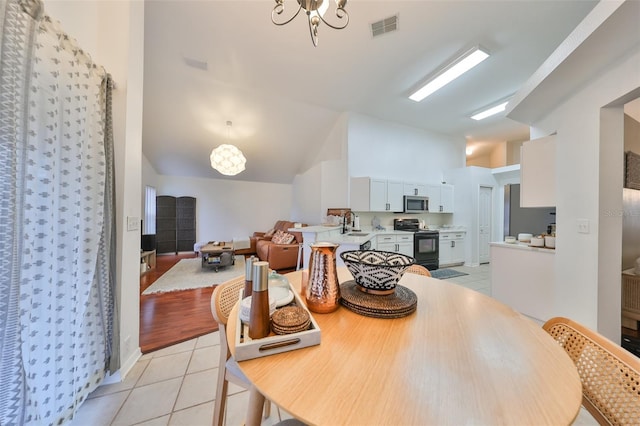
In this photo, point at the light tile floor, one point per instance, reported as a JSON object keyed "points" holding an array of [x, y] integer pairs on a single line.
{"points": [[478, 278], [176, 385], [171, 386]]}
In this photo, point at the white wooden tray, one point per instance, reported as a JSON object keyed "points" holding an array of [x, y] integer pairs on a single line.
{"points": [[247, 348]]}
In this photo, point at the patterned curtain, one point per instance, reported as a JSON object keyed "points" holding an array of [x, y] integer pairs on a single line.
{"points": [[57, 236]]}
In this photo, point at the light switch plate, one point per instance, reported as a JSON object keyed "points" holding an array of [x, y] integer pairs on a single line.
{"points": [[583, 226], [132, 223]]}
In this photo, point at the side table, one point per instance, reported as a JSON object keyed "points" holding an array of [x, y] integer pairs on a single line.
{"points": [[147, 258]]}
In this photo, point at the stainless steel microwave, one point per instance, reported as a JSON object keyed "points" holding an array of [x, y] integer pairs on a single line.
{"points": [[415, 204]]}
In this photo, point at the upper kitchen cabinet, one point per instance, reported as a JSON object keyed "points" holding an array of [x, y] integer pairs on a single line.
{"points": [[419, 189], [538, 173], [376, 195], [440, 198]]}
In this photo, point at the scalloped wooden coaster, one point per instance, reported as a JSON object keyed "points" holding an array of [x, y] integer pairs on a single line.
{"points": [[290, 319]]}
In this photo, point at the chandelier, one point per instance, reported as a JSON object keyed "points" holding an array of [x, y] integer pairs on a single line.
{"points": [[227, 159], [315, 10]]}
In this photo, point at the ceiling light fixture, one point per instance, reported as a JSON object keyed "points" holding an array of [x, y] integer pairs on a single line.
{"points": [[446, 75], [315, 10], [490, 111], [227, 159]]}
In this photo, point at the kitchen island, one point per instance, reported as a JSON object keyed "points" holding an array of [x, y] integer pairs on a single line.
{"points": [[523, 277], [351, 240]]}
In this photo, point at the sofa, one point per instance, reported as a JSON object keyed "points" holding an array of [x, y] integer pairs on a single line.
{"points": [[278, 246]]}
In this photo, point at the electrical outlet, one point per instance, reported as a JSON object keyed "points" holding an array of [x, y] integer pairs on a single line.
{"points": [[132, 223], [127, 345], [583, 226]]}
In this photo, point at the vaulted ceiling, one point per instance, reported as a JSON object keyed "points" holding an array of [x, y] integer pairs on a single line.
{"points": [[207, 62]]}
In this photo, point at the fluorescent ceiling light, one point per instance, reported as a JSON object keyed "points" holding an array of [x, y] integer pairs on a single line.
{"points": [[452, 71], [490, 111]]}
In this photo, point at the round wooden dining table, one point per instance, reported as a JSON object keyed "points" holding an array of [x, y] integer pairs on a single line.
{"points": [[461, 358]]}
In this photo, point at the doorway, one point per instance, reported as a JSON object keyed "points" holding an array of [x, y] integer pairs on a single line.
{"points": [[630, 234], [485, 198]]}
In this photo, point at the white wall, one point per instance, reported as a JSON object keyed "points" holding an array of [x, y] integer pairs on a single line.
{"points": [[467, 182], [513, 152], [113, 32], [228, 209], [481, 161], [382, 149], [324, 184], [307, 195], [588, 184]]}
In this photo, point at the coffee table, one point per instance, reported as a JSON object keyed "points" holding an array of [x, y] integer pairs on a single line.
{"points": [[218, 254]]}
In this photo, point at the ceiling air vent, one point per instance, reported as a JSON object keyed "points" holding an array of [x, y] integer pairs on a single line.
{"points": [[386, 25], [196, 63]]}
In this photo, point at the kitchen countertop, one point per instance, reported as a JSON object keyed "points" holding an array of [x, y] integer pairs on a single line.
{"points": [[523, 246], [456, 229], [316, 228], [346, 239]]}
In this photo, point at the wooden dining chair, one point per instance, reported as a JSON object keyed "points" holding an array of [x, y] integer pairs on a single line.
{"points": [[419, 270], [610, 375], [223, 299]]}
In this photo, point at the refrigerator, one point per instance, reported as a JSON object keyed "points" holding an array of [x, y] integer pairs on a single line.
{"points": [[531, 220]]}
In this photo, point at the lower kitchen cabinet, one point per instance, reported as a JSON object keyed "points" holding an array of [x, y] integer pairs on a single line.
{"points": [[395, 243], [451, 248]]}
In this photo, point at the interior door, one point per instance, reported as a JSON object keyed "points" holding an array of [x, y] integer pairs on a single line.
{"points": [[484, 223]]}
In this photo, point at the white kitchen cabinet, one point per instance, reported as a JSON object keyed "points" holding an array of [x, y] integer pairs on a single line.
{"points": [[376, 195], [440, 198], [451, 248], [446, 198], [397, 243], [386, 242], [419, 189], [395, 192], [405, 244], [538, 173]]}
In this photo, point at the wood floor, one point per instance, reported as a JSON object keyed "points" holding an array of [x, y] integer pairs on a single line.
{"points": [[174, 317], [170, 318]]}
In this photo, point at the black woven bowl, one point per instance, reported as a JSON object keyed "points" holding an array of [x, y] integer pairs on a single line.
{"points": [[376, 271]]}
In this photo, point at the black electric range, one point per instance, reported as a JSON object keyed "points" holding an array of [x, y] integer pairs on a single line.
{"points": [[426, 242]]}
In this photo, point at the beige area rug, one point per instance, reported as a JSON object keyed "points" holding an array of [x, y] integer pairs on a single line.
{"points": [[189, 273]]}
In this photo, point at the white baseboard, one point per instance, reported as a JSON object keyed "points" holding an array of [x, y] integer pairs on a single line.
{"points": [[125, 367]]}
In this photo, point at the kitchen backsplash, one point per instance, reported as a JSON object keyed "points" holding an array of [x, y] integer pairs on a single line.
{"points": [[386, 219]]}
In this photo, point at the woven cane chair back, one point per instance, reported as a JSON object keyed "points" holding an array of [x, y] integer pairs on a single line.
{"points": [[610, 375], [419, 270], [224, 297]]}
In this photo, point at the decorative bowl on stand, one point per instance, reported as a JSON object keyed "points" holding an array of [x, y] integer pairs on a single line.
{"points": [[376, 272]]}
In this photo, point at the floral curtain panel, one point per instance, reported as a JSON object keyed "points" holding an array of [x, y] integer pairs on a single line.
{"points": [[56, 276]]}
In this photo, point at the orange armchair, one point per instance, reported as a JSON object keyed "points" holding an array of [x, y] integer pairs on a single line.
{"points": [[279, 256]]}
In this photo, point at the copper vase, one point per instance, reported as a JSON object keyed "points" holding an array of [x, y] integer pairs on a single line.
{"points": [[323, 289]]}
